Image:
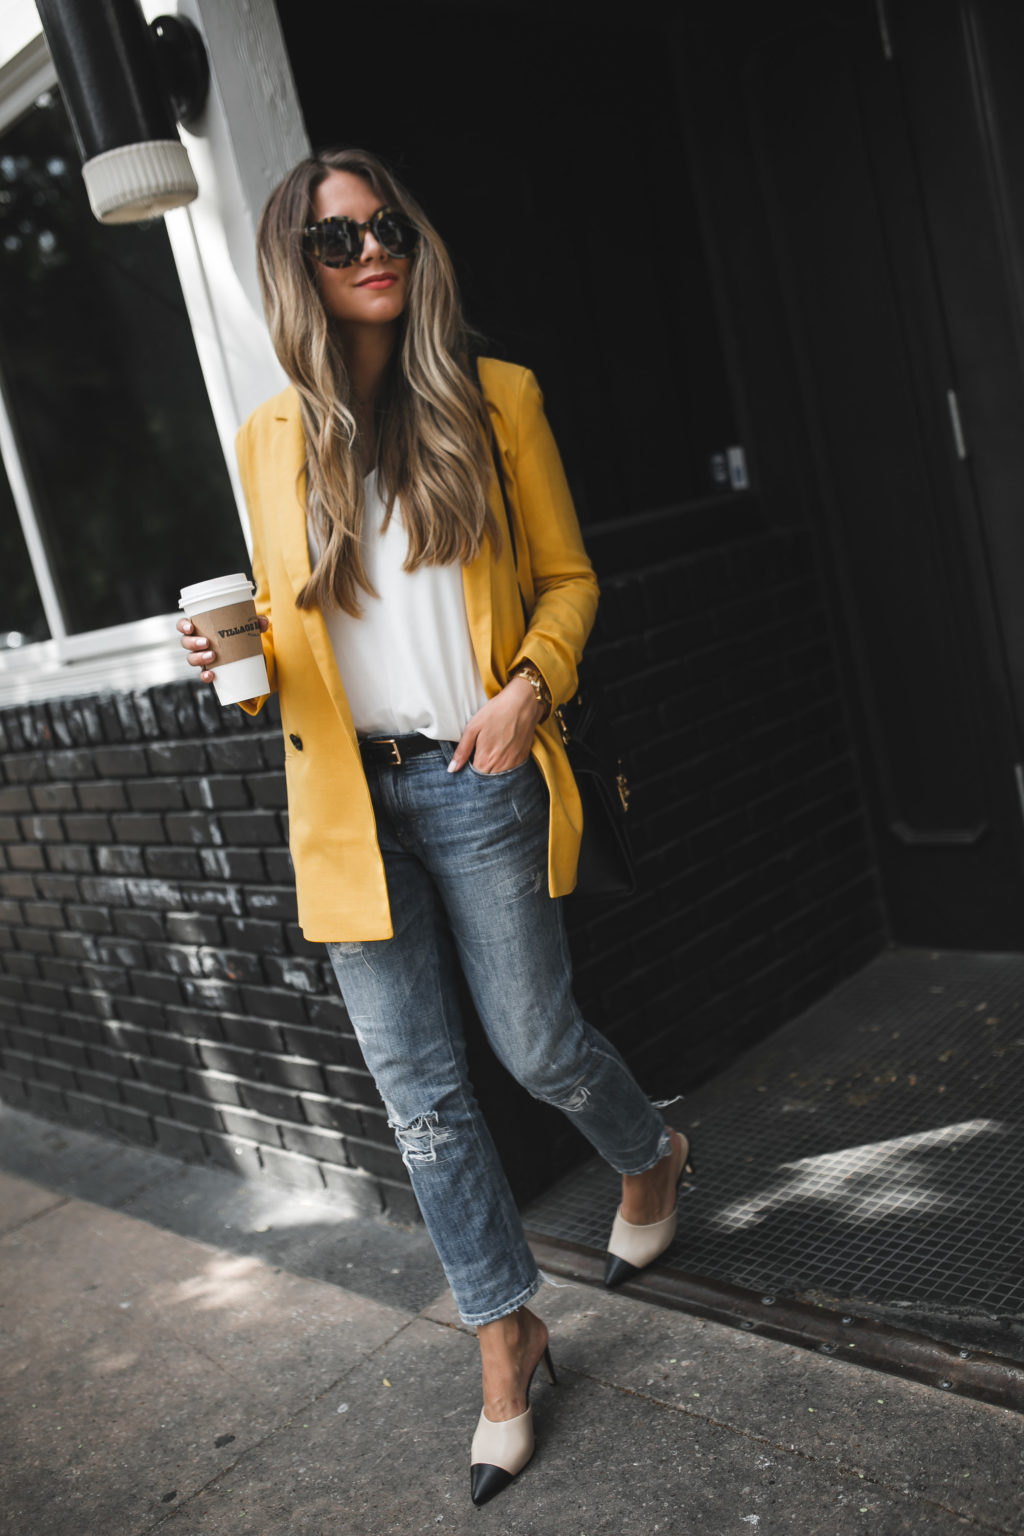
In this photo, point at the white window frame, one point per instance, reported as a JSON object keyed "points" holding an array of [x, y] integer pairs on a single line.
{"points": [[251, 133]]}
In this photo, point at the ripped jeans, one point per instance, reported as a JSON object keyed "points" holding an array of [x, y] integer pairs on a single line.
{"points": [[466, 862]]}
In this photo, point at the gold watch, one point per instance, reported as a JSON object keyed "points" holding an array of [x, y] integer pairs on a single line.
{"points": [[527, 670]]}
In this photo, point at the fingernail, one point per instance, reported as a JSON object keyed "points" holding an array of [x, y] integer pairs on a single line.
{"points": [[200, 643], [453, 766], [208, 656]]}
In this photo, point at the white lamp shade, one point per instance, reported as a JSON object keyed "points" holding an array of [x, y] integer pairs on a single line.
{"points": [[139, 181]]}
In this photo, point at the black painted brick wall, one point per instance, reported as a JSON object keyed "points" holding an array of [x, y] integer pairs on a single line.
{"points": [[759, 889], [154, 983]]}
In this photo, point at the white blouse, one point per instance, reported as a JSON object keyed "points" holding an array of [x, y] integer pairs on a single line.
{"points": [[407, 665]]}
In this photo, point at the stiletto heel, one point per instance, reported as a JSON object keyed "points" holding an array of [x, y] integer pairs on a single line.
{"points": [[632, 1246], [500, 1451]]}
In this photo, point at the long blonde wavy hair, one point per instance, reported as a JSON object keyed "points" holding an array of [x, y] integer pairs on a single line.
{"points": [[433, 452]]}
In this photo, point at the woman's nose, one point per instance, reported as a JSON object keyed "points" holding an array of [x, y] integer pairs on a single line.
{"points": [[372, 248]]}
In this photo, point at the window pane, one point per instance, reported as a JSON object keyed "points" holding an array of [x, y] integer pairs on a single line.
{"points": [[104, 386], [21, 612]]}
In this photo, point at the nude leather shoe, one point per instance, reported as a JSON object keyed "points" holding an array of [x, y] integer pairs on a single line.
{"points": [[632, 1246], [500, 1451]]}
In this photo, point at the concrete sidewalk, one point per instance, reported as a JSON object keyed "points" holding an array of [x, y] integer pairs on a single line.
{"points": [[186, 1352]]}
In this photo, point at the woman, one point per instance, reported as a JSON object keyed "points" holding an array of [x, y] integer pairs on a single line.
{"points": [[433, 814]]}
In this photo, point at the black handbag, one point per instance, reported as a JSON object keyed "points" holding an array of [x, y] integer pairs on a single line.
{"points": [[606, 869]]}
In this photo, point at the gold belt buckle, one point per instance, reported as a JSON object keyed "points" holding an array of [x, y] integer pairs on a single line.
{"points": [[396, 756]]}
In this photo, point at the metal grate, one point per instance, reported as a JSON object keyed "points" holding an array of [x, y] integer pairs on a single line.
{"points": [[869, 1156]]}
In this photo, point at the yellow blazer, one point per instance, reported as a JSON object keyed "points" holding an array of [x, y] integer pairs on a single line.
{"points": [[339, 874]]}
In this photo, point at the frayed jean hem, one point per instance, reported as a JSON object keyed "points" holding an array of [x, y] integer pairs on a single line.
{"points": [[477, 1319], [664, 1148]]}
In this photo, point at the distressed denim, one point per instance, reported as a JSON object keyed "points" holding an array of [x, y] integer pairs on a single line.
{"points": [[466, 862]]}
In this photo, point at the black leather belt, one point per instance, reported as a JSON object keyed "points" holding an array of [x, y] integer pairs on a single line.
{"points": [[391, 751]]}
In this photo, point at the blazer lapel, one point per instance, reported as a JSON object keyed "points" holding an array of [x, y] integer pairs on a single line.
{"points": [[478, 586], [291, 498], [481, 578]]}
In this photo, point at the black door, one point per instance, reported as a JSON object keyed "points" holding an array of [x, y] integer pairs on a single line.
{"points": [[544, 137], [842, 139]]}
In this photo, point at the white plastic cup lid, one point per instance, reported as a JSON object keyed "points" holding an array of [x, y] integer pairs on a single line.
{"points": [[238, 586]]}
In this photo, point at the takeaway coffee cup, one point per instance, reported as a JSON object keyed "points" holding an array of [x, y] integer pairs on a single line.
{"points": [[222, 609]]}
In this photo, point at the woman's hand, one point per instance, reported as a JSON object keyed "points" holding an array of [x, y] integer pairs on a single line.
{"points": [[200, 652], [500, 735]]}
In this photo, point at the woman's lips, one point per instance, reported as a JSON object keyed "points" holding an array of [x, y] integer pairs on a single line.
{"points": [[378, 280]]}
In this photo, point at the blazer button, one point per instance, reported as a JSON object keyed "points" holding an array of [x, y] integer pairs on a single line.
{"points": [[296, 742]]}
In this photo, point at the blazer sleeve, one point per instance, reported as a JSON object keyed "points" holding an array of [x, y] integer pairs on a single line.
{"points": [[565, 587], [247, 471]]}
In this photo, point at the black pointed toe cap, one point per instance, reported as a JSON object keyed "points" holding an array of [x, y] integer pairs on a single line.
{"points": [[617, 1270], [485, 1481]]}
